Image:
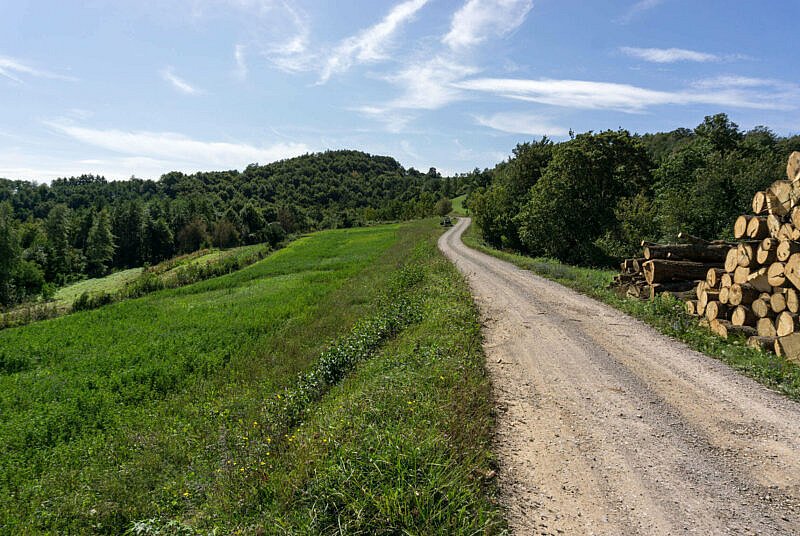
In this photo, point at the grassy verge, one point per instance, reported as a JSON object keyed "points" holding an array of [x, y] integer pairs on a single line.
{"points": [[666, 314], [458, 206], [293, 396]]}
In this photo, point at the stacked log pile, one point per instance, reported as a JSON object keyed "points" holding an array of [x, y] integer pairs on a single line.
{"points": [[673, 268], [756, 294], [751, 287]]}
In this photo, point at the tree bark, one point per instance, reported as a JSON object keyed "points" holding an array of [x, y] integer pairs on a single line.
{"points": [[765, 344], [742, 316], [660, 271]]}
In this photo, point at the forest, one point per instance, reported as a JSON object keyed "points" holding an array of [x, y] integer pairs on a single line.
{"points": [[591, 200], [87, 226]]}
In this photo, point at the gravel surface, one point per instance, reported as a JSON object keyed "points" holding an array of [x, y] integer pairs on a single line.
{"points": [[607, 427]]}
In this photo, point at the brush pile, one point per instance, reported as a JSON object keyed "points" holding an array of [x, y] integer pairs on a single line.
{"points": [[751, 287]]}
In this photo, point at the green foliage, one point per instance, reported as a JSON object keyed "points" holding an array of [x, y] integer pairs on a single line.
{"points": [[100, 245], [575, 203], [9, 253], [443, 207]]}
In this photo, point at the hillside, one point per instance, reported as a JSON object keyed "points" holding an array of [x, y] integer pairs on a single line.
{"points": [[258, 402], [53, 234]]}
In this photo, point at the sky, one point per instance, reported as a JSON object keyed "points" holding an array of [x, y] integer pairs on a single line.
{"points": [[138, 88]]}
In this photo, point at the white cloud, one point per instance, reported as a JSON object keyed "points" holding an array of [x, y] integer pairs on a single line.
{"points": [[638, 8], [479, 19], [292, 54], [521, 123], [669, 55], [732, 81], [13, 69], [177, 151], [623, 97], [178, 83], [430, 85], [241, 62], [395, 121], [370, 44]]}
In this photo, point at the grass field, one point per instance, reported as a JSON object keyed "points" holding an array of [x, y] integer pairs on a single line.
{"points": [[666, 314], [458, 206], [335, 386], [111, 283]]}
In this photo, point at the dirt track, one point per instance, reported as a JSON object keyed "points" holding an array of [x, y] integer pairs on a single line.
{"points": [[607, 427]]}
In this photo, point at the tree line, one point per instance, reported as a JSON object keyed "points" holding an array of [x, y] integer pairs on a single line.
{"points": [[88, 226], [592, 199]]}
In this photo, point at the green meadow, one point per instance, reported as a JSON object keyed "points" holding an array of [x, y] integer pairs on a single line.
{"points": [[337, 386]]}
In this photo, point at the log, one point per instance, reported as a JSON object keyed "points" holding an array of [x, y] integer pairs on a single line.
{"points": [[740, 226], [765, 344], [793, 167], [789, 347], [706, 298], [785, 323], [776, 275], [731, 260], [759, 203], [786, 232], [761, 308], [701, 287], [709, 253], [713, 277], [726, 281], [766, 327], [747, 253], [724, 295], [660, 271], [792, 300], [774, 224], [725, 329], [740, 275], [757, 228], [742, 316], [794, 215], [785, 249], [673, 290], [792, 270], [777, 302], [742, 295], [759, 280], [780, 198], [715, 310], [767, 251], [637, 264], [691, 307]]}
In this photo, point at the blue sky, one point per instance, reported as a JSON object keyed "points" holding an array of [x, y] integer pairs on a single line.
{"points": [[121, 88]]}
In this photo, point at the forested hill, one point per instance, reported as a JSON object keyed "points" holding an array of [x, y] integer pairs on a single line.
{"points": [[88, 225]]}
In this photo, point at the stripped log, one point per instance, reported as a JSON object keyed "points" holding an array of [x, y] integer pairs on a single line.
{"points": [[742, 316], [742, 294], [759, 203], [761, 308], [713, 277], [766, 327], [777, 302], [741, 275], [725, 329], [715, 310], [767, 251], [708, 253], [765, 344], [776, 274], [785, 249], [660, 271], [785, 323], [757, 228]]}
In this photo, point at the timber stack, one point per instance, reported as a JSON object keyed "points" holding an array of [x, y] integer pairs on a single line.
{"points": [[673, 268], [757, 292]]}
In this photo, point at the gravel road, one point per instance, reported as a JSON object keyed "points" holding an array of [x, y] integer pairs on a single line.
{"points": [[607, 427]]}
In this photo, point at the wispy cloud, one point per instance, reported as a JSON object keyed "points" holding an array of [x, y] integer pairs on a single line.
{"points": [[15, 69], [370, 44], [241, 62], [178, 83], [292, 54], [626, 98], [177, 151], [669, 55], [521, 123], [430, 85], [637, 9], [477, 20]]}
